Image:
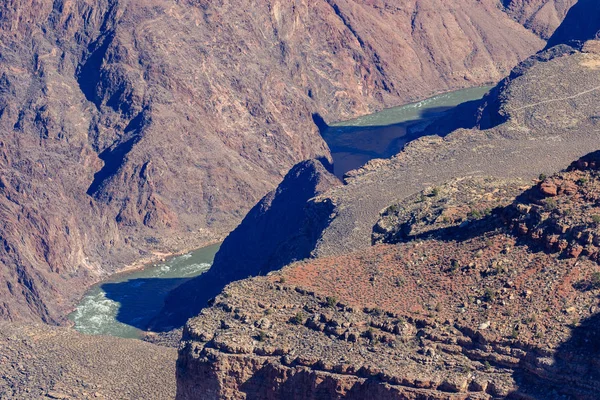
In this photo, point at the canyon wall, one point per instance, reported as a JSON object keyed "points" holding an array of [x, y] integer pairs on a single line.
{"points": [[443, 272], [540, 16], [131, 129]]}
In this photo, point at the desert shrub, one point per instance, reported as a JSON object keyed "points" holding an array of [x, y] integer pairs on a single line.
{"points": [[551, 204], [369, 334], [331, 301], [515, 333], [595, 280], [393, 209], [475, 214], [489, 294], [298, 319], [454, 266], [377, 311]]}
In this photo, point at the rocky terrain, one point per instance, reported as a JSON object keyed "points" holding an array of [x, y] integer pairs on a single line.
{"points": [[541, 16], [491, 293], [461, 268], [527, 133], [480, 285], [42, 362], [133, 129], [284, 237]]}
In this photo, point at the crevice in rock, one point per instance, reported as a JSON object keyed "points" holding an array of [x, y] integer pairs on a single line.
{"points": [[89, 73], [345, 21], [113, 158], [115, 155]]}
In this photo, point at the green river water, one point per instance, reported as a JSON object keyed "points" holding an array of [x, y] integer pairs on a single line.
{"points": [[122, 304], [381, 135], [126, 302]]}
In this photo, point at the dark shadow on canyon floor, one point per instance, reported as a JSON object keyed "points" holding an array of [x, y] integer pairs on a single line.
{"points": [[140, 299]]}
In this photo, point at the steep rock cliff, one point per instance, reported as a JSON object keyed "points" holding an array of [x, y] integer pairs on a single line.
{"points": [[283, 227], [579, 25], [541, 16]]}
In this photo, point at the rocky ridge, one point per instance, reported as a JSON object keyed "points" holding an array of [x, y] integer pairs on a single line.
{"points": [[285, 237], [519, 132], [480, 287], [473, 308]]}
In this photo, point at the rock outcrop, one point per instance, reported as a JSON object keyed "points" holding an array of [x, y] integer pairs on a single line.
{"points": [[441, 208], [132, 128], [469, 308], [290, 222], [531, 132]]}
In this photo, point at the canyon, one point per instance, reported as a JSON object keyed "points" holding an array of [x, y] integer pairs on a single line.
{"points": [[480, 286], [135, 129], [443, 272], [465, 266]]}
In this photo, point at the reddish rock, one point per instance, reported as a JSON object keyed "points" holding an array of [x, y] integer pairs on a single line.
{"points": [[551, 241], [568, 188], [141, 126], [563, 244], [523, 229], [549, 188], [575, 251]]}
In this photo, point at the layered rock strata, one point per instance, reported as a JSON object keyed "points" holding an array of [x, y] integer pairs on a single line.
{"points": [[473, 307]]}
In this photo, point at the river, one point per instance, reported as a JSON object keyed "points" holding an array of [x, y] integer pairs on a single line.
{"points": [[383, 134], [123, 304]]}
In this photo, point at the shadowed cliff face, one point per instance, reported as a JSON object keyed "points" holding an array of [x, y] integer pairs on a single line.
{"points": [[283, 227], [129, 127], [580, 24]]}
